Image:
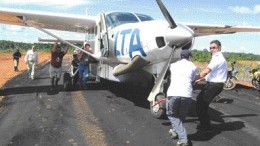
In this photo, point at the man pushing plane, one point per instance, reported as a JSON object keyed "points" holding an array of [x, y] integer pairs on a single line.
{"points": [[55, 69]]}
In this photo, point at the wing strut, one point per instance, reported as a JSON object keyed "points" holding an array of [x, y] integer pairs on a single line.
{"points": [[157, 87], [62, 40]]}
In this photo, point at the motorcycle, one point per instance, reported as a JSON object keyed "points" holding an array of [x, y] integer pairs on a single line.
{"points": [[256, 78], [231, 78]]}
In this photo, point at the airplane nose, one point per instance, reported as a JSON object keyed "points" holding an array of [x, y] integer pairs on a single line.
{"points": [[179, 37]]}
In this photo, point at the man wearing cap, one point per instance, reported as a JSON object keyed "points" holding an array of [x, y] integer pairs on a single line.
{"points": [[215, 75], [179, 94], [56, 64]]}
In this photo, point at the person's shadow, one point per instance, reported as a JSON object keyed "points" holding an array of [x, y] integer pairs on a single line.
{"points": [[216, 129]]}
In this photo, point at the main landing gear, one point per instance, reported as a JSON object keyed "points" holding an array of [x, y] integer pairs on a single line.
{"points": [[157, 96]]}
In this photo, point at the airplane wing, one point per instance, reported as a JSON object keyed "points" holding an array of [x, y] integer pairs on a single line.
{"points": [[206, 29], [65, 22]]}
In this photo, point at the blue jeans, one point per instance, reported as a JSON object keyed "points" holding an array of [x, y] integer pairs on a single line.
{"points": [[83, 74], [176, 110]]}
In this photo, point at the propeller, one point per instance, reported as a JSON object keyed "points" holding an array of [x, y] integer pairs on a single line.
{"points": [[166, 14]]}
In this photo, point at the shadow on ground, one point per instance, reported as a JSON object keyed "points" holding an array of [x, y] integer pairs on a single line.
{"points": [[216, 129], [137, 95]]}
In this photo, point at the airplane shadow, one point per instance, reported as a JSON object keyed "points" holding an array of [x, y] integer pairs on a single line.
{"points": [[45, 89], [136, 94]]}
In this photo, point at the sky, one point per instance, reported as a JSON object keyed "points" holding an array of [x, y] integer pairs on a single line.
{"points": [[225, 12]]}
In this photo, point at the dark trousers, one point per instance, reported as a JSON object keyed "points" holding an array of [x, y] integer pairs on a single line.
{"points": [[207, 94]]}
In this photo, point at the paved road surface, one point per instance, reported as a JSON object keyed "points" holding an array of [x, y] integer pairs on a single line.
{"points": [[31, 115]]}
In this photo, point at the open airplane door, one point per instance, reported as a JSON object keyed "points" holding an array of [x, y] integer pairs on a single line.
{"points": [[104, 42], [103, 45]]}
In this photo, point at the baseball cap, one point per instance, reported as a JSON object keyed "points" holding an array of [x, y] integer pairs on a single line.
{"points": [[186, 54]]}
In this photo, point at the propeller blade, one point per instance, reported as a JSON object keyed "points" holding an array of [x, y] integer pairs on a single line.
{"points": [[166, 14]]}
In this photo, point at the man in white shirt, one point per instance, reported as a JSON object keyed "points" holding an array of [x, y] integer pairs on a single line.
{"points": [[31, 60], [179, 94], [215, 75]]}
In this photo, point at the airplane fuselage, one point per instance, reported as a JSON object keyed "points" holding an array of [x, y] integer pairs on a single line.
{"points": [[153, 40]]}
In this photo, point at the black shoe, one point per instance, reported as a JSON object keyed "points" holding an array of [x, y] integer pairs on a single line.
{"points": [[204, 128], [56, 83], [52, 89]]}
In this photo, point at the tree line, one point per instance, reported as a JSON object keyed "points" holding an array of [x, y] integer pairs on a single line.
{"points": [[205, 56], [10, 46], [199, 56]]}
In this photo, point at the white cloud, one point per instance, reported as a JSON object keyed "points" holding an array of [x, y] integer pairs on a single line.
{"points": [[241, 10], [245, 10], [257, 9], [211, 10], [66, 3], [13, 28]]}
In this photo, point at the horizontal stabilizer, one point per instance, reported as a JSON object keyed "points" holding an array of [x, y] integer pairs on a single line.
{"points": [[137, 63]]}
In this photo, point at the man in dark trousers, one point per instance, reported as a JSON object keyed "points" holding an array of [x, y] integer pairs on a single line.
{"points": [[215, 75], [16, 56], [56, 63]]}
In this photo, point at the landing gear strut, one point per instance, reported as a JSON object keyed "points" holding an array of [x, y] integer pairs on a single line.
{"points": [[157, 97]]}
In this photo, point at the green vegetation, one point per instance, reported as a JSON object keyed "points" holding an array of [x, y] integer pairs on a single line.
{"points": [[204, 56], [198, 56], [9, 46]]}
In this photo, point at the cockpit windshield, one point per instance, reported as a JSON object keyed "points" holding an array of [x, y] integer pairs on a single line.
{"points": [[143, 17], [119, 18]]}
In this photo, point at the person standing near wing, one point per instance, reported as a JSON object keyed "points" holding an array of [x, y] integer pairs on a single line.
{"points": [[84, 59], [16, 56], [56, 64], [31, 60]]}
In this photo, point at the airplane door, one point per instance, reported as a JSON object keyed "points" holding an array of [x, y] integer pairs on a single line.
{"points": [[104, 43]]}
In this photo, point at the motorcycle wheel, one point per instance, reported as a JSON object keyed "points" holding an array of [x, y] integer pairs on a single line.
{"points": [[256, 84], [230, 84]]}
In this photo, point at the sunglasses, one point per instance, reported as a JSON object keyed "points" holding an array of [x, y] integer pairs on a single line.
{"points": [[212, 48]]}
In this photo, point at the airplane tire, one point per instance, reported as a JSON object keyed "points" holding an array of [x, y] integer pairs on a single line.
{"points": [[159, 110], [66, 81]]}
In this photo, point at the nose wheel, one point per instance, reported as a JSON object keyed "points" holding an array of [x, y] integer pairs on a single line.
{"points": [[158, 107]]}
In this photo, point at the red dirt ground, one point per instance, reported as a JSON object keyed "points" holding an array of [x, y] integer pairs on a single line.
{"points": [[7, 66]]}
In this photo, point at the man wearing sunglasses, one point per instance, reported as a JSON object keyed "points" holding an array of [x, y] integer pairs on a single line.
{"points": [[215, 75]]}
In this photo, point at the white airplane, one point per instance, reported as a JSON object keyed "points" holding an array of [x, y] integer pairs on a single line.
{"points": [[130, 47]]}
